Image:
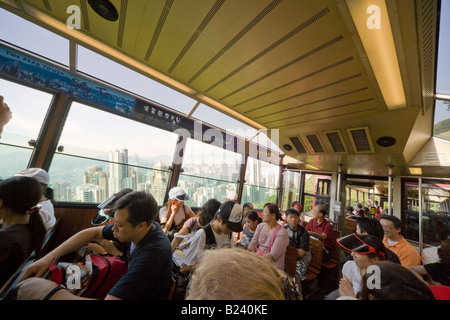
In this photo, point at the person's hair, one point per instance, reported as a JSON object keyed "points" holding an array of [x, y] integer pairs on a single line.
{"points": [[224, 274], [444, 256], [377, 244], [49, 194], [273, 209], [141, 206], [370, 226], [253, 216], [395, 283], [291, 211], [322, 210], [247, 205], [20, 194], [208, 211], [396, 221]]}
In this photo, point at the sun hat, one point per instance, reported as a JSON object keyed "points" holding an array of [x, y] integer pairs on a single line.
{"points": [[37, 173], [178, 193]]}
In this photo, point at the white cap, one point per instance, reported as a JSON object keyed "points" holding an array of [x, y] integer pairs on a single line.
{"points": [[232, 195], [37, 173], [178, 193]]}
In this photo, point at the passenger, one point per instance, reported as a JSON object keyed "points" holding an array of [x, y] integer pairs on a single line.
{"points": [[393, 240], [430, 254], [369, 226], [235, 274], [231, 196], [395, 283], [197, 222], [320, 228], [252, 220], [149, 271], [297, 206], [248, 206], [173, 215], [271, 239], [366, 250], [349, 211], [47, 210], [5, 115], [217, 233], [437, 273], [359, 211], [22, 229], [299, 239]]}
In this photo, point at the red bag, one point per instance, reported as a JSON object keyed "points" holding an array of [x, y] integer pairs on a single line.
{"points": [[98, 274]]}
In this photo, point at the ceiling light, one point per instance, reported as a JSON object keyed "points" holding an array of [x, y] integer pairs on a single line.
{"points": [[287, 147], [386, 141], [415, 171], [104, 9], [371, 20]]}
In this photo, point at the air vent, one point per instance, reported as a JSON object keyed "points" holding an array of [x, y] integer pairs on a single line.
{"points": [[315, 143], [336, 141], [361, 140], [298, 144]]}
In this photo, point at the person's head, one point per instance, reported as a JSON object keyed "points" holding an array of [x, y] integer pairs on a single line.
{"points": [[177, 196], [365, 249], [134, 214], [271, 212], [252, 219], [319, 212], [247, 207], [392, 226], [208, 211], [296, 205], [231, 196], [18, 197], [42, 177], [392, 281], [235, 274], [105, 213], [292, 217], [366, 225], [229, 217]]}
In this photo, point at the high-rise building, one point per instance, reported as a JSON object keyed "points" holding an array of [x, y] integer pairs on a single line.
{"points": [[118, 170]]}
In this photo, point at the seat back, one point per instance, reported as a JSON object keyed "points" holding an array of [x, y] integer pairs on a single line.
{"points": [[316, 248], [290, 262]]}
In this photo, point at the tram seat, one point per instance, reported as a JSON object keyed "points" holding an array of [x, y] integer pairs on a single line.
{"points": [[350, 225], [315, 265], [290, 265], [332, 263]]}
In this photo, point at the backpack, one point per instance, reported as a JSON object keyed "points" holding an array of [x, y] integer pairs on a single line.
{"points": [[98, 274]]}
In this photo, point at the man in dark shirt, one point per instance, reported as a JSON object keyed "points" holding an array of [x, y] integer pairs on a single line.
{"points": [[147, 252]]}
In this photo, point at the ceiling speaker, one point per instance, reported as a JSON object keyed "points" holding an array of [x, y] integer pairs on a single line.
{"points": [[105, 9]]}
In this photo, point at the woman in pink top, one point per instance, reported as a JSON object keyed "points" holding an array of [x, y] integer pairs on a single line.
{"points": [[270, 239]]}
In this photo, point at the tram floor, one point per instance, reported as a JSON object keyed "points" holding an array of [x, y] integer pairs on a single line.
{"points": [[320, 287]]}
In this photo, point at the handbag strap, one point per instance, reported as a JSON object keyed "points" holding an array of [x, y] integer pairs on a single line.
{"points": [[273, 237]]}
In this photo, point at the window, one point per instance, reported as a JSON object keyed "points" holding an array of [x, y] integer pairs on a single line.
{"points": [[261, 182], [435, 210], [208, 172], [104, 153], [29, 108], [443, 65], [291, 188], [31, 37], [316, 191], [441, 128]]}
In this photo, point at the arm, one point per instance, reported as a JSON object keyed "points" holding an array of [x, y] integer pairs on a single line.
{"points": [[254, 243], [39, 267], [176, 241]]}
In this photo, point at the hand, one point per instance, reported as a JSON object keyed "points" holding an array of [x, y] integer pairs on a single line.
{"points": [[34, 288], [5, 114], [175, 208], [346, 288], [36, 269]]}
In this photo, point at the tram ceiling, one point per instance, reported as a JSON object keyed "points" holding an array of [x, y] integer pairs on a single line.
{"points": [[298, 66]]}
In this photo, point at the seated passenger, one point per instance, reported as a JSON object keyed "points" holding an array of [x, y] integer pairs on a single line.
{"points": [[299, 239], [22, 229], [430, 254], [393, 240], [47, 211], [395, 283], [437, 273], [175, 212], [197, 222], [235, 274], [320, 228], [252, 220], [270, 239], [147, 253], [217, 233]]}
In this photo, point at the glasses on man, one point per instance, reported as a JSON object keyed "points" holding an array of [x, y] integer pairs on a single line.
{"points": [[102, 216]]}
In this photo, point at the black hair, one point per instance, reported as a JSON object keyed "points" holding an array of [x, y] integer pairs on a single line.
{"points": [[247, 205], [253, 216], [444, 256], [20, 194], [291, 211], [370, 226], [396, 221], [207, 211], [141, 206], [273, 209]]}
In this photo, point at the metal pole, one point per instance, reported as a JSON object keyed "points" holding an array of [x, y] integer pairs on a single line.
{"points": [[420, 217], [338, 183], [389, 190]]}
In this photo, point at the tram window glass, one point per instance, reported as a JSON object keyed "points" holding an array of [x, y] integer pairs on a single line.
{"points": [[291, 188], [112, 72], [261, 183], [31, 37], [208, 172], [443, 63], [97, 143], [441, 128], [316, 191], [435, 210], [29, 107]]}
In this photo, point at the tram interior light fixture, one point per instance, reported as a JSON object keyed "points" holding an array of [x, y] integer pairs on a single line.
{"points": [[415, 171], [371, 20], [105, 9]]}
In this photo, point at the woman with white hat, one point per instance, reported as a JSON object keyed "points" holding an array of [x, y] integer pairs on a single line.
{"points": [[173, 215]]}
